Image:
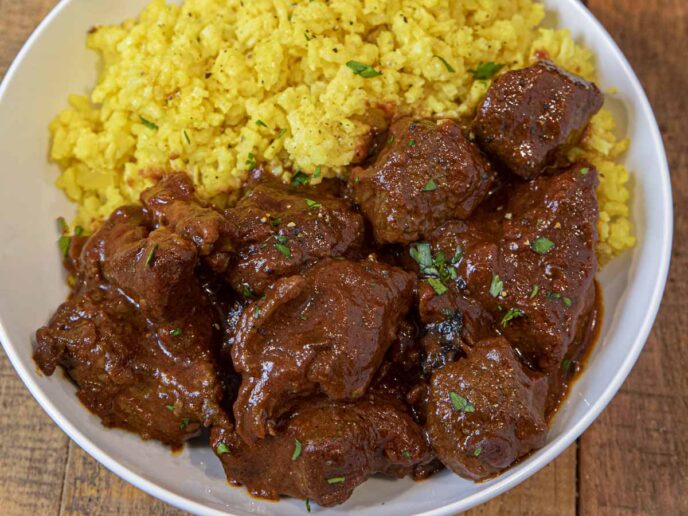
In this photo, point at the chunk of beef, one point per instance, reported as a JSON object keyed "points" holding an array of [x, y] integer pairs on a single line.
{"points": [[284, 229], [172, 202], [531, 265], [339, 446], [531, 115], [142, 360], [486, 411], [326, 330], [429, 174]]}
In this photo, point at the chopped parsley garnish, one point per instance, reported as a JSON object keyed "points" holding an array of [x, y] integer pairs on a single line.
{"points": [[430, 186], [497, 285], [151, 255], [437, 286], [460, 403], [184, 423], [283, 249], [256, 312], [336, 480], [63, 243], [62, 225], [282, 239], [222, 448], [170, 408], [251, 161], [512, 314], [449, 67], [176, 332], [553, 295], [458, 255], [390, 140], [280, 134], [534, 291], [585, 171], [312, 204], [299, 179], [260, 123], [297, 450], [275, 222], [412, 143], [364, 70], [478, 451], [317, 172], [567, 301], [246, 292], [542, 245], [566, 364], [407, 454], [149, 124], [308, 504], [422, 254], [486, 70], [78, 231], [186, 137]]}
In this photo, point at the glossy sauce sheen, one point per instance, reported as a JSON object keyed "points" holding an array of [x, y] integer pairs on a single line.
{"points": [[429, 313]]}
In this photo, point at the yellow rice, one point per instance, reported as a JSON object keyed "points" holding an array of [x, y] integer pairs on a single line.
{"points": [[184, 88]]}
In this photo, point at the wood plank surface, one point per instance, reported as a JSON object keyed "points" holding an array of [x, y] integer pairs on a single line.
{"points": [[634, 459]]}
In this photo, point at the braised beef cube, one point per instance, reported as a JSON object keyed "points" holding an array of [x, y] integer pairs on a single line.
{"points": [[531, 115], [531, 265], [327, 330], [325, 450], [284, 229], [428, 174], [172, 202], [486, 411], [161, 383]]}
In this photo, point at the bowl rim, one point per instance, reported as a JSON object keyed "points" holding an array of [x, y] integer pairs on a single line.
{"points": [[549, 452]]}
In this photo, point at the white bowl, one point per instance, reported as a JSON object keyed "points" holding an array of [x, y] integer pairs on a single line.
{"points": [[54, 62]]}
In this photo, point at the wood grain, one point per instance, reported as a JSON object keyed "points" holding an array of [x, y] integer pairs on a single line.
{"points": [[634, 459]]}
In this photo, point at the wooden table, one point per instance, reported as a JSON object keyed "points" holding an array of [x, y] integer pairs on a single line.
{"points": [[634, 458]]}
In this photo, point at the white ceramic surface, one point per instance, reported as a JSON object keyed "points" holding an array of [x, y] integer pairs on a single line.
{"points": [[55, 62]]}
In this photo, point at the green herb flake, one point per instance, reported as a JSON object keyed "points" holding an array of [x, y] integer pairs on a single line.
{"points": [[390, 140], [336, 480], [512, 314], [534, 291], [585, 171], [256, 312], [151, 255], [449, 67], [566, 364], [184, 423], [542, 245], [246, 292], [422, 254], [297, 450], [149, 124], [251, 161], [313, 205], [281, 134], [282, 239], [177, 332], [63, 243], [308, 504], [317, 173], [430, 186], [437, 286], [567, 301], [222, 448], [275, 222], [299, 179], [283, 249], [460, 403], [497, 285], [412, 143], [170, 408], [458, 256], [407, 455], [186, 137], [477, 452], [62, 225], [78, 231], [364, 70], [486, 70], [260, 123]]}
